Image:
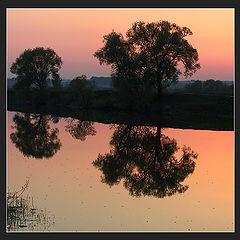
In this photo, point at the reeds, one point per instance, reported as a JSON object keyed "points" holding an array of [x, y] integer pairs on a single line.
{"points": [[23, 215]]}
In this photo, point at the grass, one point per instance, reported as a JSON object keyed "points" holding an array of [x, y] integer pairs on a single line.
{"points": [[23, 215]]}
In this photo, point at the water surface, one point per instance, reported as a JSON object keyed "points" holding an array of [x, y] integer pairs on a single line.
{"points": [[123, 192]]}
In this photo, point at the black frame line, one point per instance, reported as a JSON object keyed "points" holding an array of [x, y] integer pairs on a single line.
{"points": [[4, 4]]}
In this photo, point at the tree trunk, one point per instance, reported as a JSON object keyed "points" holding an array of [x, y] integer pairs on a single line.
{"points": [[159, 92], [158, 146], [159, 85]]}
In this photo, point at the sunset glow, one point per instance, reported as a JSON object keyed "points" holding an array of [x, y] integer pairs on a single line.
{"points": [[75, 34]]}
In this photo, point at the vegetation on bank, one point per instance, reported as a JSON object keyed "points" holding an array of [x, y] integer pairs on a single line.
{"points": [[144, 64], [198, 111], [22, 213], [210, 86], [148, 58], [109, 100]]}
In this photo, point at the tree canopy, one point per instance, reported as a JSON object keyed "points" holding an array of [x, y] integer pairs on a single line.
{"points": [[34, 136], [149, 56], [34, 66], [80, 129], [145, 160], [210, 86], [82, 90]]}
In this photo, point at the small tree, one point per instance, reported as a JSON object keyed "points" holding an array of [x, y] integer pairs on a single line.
{"points": [[80, 129], [195, 87], [151, 53], [83, 90], [34, 66]]}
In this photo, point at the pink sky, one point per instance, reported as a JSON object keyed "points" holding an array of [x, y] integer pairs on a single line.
{"points": [[75, 34]]}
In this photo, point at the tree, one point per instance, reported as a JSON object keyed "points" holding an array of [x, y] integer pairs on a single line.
{"points": [[34, 66], [78, 83], [80, 129], [209, 85], [195, 87], [150, 55], [34, 136], [83, 90], [145, 159]]}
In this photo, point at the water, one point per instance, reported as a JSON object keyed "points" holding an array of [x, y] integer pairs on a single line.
{"points": [[121, 189]]}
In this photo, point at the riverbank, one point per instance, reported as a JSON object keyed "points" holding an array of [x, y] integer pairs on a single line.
{"points": [[210, 112]]}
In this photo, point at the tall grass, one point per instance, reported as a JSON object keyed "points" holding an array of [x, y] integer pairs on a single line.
{"points": [[22, 213]]}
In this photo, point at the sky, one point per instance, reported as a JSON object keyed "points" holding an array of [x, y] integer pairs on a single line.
{"points": [[75, 34]]}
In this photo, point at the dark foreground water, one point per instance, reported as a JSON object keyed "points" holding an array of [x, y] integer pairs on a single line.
{"points": [[88, 176]]}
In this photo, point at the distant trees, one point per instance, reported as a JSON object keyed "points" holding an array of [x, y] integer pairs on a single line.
{"points": [[210, 86], [149, 56], [195, 87], [34, 66], [82, 90]]}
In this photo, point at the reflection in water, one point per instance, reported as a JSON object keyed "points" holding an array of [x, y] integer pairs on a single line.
{"points": [[34, 136], [145, 159], [22, 214], [71, 180], [80, 129]]}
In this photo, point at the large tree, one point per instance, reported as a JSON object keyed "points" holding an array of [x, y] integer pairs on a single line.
{"points": [[34, 136], [150, 55], [145, 159], [34, 66]]}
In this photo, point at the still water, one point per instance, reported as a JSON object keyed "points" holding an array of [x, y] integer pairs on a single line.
{"points": [[88, 176]]}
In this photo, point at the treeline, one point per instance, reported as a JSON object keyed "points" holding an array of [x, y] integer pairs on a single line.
{"points": [[210, 87], [79, 92], [143, 65]]}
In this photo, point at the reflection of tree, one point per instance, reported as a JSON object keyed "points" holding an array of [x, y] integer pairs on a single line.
{"points": [[80, 129], [146, 160], [34, 136]]}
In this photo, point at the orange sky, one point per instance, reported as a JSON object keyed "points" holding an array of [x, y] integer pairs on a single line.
{"points": [[75, 34]]}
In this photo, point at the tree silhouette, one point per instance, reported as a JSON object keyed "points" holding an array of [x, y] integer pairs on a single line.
{"points": [[82, 91], [80, 129], [149, 56], [145, 159], [34, 66], [34, 136]]}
